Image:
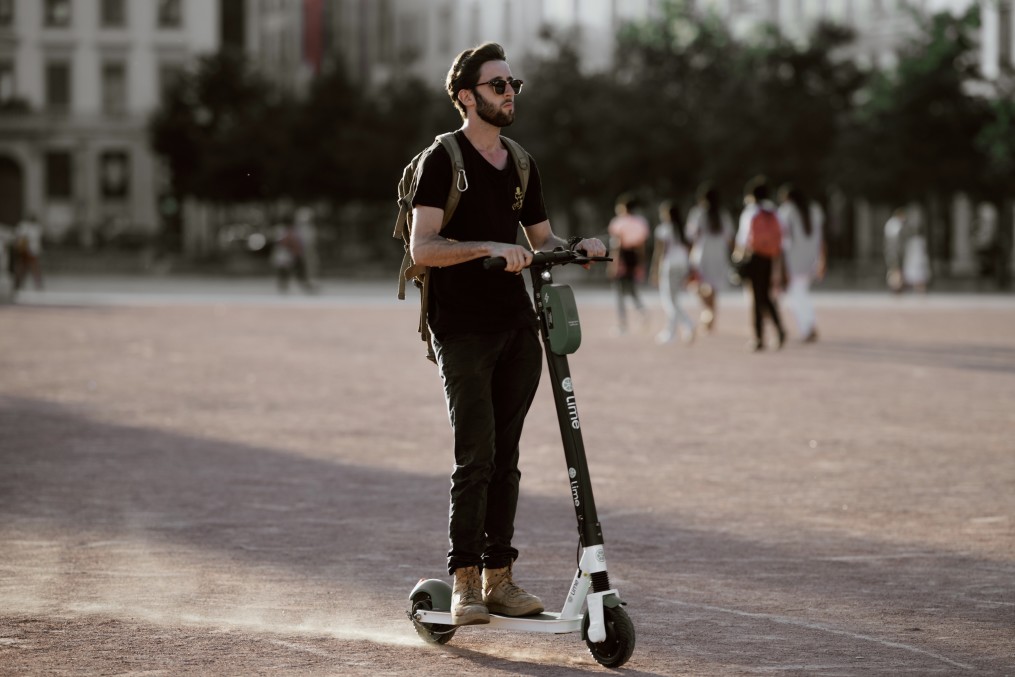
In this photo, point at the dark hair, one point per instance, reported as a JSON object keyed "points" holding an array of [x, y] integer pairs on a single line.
{"points": [[629, 201], [464, 73], [757, 187], [708, 194], [797, 197], [672, 212]]}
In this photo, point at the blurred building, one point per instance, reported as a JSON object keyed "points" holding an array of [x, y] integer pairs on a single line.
{"points": [[78, 80], [377, 41], [881, 25]]}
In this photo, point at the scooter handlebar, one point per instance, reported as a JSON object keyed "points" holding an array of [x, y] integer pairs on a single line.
{"points": [[557, 257]]}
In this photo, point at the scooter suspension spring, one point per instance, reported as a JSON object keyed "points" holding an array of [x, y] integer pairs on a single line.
{"points": [[600, 581]]}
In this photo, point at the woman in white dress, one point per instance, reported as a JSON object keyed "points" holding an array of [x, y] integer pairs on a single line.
{"points": [[710, 230], [804, 253], [916, 261], [670, 266]]}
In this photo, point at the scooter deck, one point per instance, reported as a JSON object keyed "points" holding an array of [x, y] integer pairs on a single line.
{"points": [[545, 622]]}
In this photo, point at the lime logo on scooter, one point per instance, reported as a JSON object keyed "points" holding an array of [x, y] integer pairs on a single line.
{"points": [[572, 410], [572, 473], [572, 407]]}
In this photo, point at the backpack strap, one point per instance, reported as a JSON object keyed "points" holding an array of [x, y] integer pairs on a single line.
{"points": [[521, 160], [407, 190], [459, 181]]}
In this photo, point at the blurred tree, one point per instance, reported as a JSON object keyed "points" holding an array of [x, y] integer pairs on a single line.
{"points": [[804, 96], [914, 138], [351, 145], [567, 120], [225, 133], [916, 132], [686, 102], [996, 141]]}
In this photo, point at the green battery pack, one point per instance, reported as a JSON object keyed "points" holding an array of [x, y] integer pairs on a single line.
{"points": [[561, 313]]}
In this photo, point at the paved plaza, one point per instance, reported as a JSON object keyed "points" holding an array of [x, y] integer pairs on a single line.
{"points": [[200, 477]]}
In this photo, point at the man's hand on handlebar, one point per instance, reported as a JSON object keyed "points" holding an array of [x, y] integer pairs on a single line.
{"points": [[517, 257], [592, 247]]}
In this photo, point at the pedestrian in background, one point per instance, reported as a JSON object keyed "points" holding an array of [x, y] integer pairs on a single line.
{"points": [[759, 241], [916, 261], [710, 230], [27, 251], [288, 256], [989, 256], [306, 229], [804, 252], [629, 234], [671, 268], [895, 231]]}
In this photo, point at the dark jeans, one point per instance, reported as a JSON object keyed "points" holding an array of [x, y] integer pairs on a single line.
{"points": [[490, 380], [760, 273]]}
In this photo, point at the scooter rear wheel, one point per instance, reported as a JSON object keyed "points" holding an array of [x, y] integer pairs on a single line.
{"points": [[618, 646], [433, 633]]}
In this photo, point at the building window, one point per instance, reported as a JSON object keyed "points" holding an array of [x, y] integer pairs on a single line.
{"points": [[57, 13], [114, 174], [170, 14], [114, 13], [6, 81], [58, 85], [59, 182], [6, 13], [114, 87]]}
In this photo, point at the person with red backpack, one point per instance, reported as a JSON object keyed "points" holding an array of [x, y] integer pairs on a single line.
{"points": [[759, 245]]}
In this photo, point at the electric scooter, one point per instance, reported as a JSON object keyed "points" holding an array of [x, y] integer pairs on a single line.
{"points": [[604, 624]]}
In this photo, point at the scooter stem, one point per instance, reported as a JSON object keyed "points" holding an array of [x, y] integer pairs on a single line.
{"points": [[589, 530]]}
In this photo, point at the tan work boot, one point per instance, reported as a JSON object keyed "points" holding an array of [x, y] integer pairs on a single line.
{"points": [[502, 596], [467, 607]]}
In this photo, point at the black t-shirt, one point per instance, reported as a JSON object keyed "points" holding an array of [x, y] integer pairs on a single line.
{"points": [[466, 296]]}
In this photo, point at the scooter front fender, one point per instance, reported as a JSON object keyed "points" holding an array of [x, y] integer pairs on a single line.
{"points": [[595, 602], [439, 591]]}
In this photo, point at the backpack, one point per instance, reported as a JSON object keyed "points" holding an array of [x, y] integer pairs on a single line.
{"points": [[765, 236], [403, 223]]}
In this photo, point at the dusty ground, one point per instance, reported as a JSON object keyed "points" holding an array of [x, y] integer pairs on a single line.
{"points": [[194, 488]]}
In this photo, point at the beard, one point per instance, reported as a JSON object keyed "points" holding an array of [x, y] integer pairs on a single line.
{"points": [[489, 112]]}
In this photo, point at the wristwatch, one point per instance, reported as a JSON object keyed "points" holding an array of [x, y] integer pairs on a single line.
{"points": [[573, 241]]}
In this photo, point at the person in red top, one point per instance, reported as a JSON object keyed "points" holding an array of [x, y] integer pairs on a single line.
{"points": [[629, 232]]}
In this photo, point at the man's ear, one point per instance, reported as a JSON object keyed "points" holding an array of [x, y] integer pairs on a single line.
{"points": [[465, 97]]}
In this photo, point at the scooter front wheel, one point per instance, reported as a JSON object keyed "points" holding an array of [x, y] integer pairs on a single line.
{"points": [[618, 646], [432, 633]]}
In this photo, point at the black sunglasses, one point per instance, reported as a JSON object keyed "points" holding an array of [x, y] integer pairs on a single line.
{"points": [[500, 85]]}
